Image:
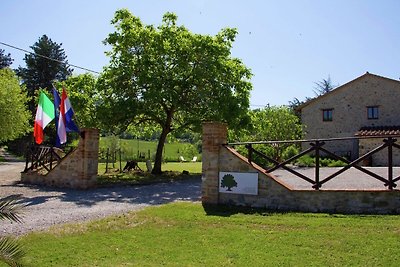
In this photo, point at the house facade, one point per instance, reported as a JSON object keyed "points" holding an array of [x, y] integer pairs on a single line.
{"points": [[360, 107]]}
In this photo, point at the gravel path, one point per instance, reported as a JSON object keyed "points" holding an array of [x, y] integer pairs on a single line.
{"points": [[51, 206]]}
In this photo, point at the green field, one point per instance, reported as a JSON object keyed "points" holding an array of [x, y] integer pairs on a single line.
{"points": [[171, 171], [192, 167], [143, 150], [183, 234]]}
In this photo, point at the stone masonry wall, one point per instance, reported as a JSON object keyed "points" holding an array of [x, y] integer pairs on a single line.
{"points": [[214, 135], [77, 170], [275, 195]]}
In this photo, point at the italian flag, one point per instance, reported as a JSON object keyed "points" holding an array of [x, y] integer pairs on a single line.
{"points": [[44, 115]]}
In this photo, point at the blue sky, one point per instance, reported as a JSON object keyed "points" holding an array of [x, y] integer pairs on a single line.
{"points": [[289, 45]]}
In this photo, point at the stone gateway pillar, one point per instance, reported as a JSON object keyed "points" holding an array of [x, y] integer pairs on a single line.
{"points": [[76, 170], [90, 157], [214, 136]]}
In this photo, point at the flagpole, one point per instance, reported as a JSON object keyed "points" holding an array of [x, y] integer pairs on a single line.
{"points": [[57, 103]]}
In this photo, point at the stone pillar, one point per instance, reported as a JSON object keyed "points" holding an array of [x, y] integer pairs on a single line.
{"points": [[214, 136], [76, 170], [90, 151]]}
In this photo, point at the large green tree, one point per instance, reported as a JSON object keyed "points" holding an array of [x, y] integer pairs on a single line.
{"points": [[172, 77], [5, 59], [14, 116], [46, 64]]}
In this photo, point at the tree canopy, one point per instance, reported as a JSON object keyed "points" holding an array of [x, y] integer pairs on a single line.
{"points": [[271, 124], [172, 77], [84, 97], [324, 86], [5, 59], [40, 71], [13, 114]]}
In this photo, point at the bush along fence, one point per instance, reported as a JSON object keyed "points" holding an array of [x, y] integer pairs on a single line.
{"points": [[234, 179]]}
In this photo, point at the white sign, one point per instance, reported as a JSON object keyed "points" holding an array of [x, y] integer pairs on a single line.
{"points": [[238, 183]]}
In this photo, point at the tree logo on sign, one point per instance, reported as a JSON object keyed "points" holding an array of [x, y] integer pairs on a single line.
{"points": [[228, 181]]}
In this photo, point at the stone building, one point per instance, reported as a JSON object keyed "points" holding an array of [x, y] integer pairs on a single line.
{"points": [[368, 106]]}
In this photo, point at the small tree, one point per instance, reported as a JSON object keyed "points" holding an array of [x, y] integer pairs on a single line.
{"points": [[189, 151]]}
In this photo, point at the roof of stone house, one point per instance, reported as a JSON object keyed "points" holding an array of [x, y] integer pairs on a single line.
{"points": [[378, 131], [339, 88]]}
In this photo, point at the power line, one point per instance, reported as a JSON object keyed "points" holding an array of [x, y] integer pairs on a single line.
{"points": [[78, 67], [48, 58]]}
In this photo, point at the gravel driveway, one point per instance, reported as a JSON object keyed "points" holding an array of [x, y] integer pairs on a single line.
{"points": [[51, 206]]}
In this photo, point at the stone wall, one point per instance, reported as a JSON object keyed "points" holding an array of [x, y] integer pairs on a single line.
{"points": [[275, 195], [77, 170]]}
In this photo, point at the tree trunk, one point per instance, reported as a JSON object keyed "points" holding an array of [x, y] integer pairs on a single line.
{"points": [[160, 147], [166, 129]]}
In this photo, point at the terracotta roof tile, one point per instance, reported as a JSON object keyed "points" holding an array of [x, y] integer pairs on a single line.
{"points": [[378, 131]]}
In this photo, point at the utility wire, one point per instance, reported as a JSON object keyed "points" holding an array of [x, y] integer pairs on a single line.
{"points": [[48, 58], [72, 65]]}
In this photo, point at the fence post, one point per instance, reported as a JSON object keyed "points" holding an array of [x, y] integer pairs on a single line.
{"points": [[317, 165], [249, 152], [34, 160], [120, 164], [27, 159], [51, 158], [108, 151], [113, 158], [390, 142]]}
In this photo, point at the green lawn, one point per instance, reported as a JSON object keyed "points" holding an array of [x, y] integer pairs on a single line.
{"points": [[171, 171], [192, 167], [131, 148], [182, 234]]}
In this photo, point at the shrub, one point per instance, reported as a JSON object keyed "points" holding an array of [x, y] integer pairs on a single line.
{"points": [[290, 151], [306, 161], [309, 161]]}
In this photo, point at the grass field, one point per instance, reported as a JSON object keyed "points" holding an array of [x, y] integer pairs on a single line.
{"points": [[192, 167], [171, 171], [182, 234], [131, 149]]}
